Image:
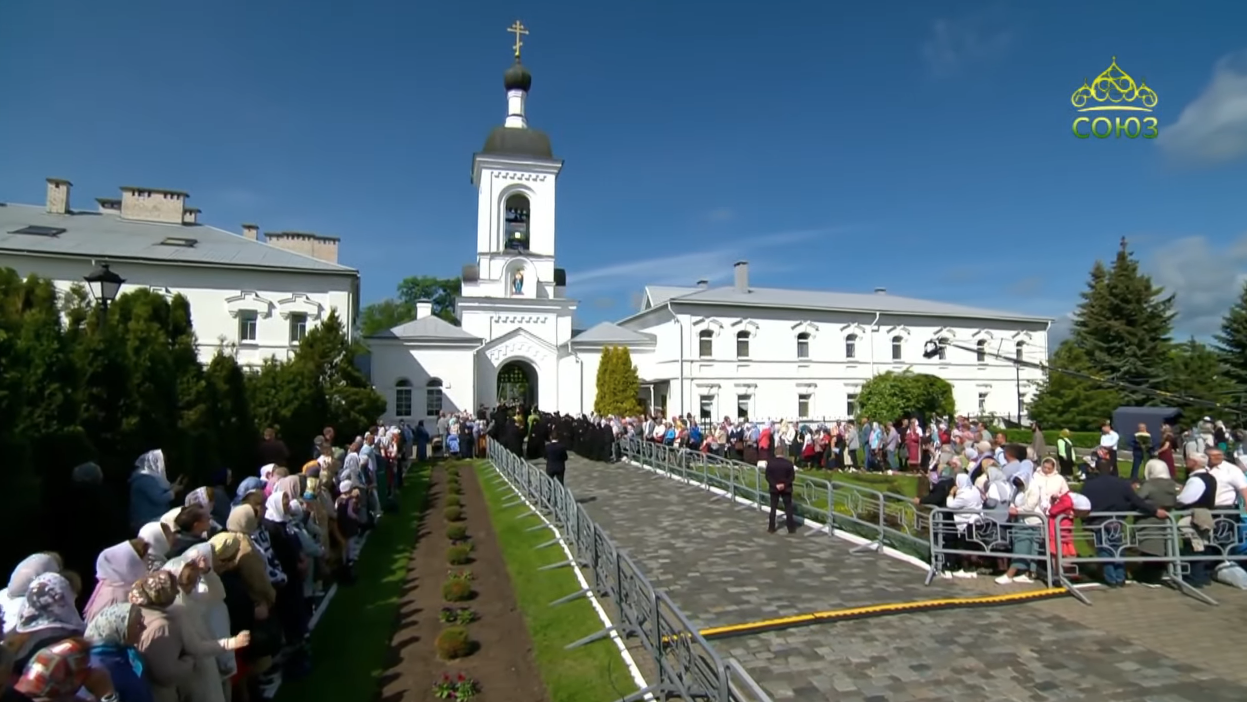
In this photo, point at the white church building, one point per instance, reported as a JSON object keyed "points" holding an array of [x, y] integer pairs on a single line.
{"points": [[736, 350]]}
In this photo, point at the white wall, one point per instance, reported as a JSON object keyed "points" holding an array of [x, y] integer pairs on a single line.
{"points": [[774, 377], [209, 291], [393, 360]]}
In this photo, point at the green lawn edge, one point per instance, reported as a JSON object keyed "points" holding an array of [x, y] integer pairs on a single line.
{"points": [[591, 673], [351, 642]]}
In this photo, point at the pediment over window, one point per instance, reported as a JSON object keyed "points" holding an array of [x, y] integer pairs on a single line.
{"points": [[300, 303], [1022, 335], [705, 323], [945, 333], [899, 330], [805, 327], [983, 334], [746, 325], [249, 301], [162, 291], [853, 328]]}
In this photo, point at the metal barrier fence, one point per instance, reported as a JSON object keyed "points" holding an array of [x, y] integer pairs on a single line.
{"points": [[687, 667], [1056, 552]]}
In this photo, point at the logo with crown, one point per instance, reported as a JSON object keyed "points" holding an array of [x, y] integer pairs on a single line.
{"points": [[1114, 90]]}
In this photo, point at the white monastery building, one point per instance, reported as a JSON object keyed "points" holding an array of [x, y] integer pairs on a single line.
{"points": [[713, 352], [258, 296]]}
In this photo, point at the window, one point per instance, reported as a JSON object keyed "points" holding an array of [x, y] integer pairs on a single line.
{"points": [[1021, 348], [706, 407], [803, 345], [943, 349], [402, 398], [432, 397], [248, 321], [516, 223], [705, 343], [298, 327], [742, 344], [898, 348], [742, 406], [982, 401], [850, 346], [804, 402], [851, 406], [980, 351]]}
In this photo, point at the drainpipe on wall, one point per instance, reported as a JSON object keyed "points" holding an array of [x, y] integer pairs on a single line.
{"points": [[681, 325], [873, 325]]}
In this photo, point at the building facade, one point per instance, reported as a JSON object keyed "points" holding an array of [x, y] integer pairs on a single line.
{"points": [[255, 296], [712, 352]]}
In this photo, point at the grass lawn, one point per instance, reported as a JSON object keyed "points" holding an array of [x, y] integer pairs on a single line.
{"points": [[352, 640], [592, 673]]}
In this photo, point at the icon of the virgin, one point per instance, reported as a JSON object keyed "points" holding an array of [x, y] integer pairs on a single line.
{"points": [[517, 283]]}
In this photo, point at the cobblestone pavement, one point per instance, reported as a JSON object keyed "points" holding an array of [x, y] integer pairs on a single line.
{"points": [[719, 565]]}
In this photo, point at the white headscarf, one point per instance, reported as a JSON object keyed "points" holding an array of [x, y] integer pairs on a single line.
{"points": [[266, 470], [153, 533], [153, 463], [274, 510]]}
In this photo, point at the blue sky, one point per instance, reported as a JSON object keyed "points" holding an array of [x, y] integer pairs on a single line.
{"points": [[920, 146]]}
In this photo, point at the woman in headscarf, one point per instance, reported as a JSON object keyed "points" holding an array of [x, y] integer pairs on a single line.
{"points": [[151, 493], [204, 685], [967, 499], [47, 616], [1161, 491], [159, 539], [291, 607], [220, 482], [212, 594], [117, 568], [168, 665], [113, 633], [253, 569], [13, 597], [57, 672], [249, 486]]}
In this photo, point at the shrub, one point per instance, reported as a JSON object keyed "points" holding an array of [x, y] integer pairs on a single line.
{"points": [[464, 575], [459, 555], [453, 514], [453, 485], [457, 615], [452, 471], [454, 643], [453, 500], [456, 532], [455, 590]]}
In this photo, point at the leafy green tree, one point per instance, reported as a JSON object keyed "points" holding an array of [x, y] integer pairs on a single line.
{"points": [[352, 404], [441, 291], [1124, 324], [1231, 344], [1195, 372], [890, 396], [1067, 401], [234, 425], [618, 385], [385, 315]]}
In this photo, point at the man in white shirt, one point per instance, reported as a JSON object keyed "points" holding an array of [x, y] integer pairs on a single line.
{"points": [[1227, 484], [1109, 440]]}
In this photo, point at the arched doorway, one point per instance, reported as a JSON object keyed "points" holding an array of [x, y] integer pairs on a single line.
{"points": [[517, 383]]}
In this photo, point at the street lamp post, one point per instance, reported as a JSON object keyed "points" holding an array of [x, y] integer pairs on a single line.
{"points": [[104, 285]]}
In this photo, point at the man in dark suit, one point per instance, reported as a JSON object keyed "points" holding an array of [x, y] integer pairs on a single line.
{"points": [[780, 475], [556, 458]]}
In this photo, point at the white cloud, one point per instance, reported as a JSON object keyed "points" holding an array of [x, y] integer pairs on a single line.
{"points": [[1206, 277], [954, 44], [711, 261], [1062, 328], [1213, 128]]}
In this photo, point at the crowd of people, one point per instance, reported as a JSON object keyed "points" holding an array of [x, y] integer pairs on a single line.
{"points": [[211, 598]]}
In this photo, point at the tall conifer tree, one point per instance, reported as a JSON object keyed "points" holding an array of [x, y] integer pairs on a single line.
{"points": [[1231, 344]]}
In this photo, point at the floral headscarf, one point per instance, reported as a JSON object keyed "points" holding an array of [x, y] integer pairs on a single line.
{"points": [[57, 671], [13, 598], [111, 629], [152, 463], [50, 605], [157, 591], [198, 496]]}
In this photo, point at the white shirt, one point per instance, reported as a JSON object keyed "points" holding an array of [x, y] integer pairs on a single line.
{"points": [[1230, 481], [1109, 440]]}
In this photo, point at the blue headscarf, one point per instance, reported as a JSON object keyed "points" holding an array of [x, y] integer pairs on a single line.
{"points": [[249, 485]]}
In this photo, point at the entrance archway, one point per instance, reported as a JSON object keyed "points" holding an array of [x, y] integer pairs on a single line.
{"points": [[517, 382]]}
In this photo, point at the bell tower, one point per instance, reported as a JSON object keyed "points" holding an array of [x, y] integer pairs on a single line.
{"points": [[515, 175]]}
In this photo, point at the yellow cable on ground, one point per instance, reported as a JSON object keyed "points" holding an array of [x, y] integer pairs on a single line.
{"points": [[720, 632]]}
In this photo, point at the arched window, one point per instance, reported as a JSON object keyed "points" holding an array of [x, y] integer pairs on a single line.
{"points": [[803, 345], [742, 344], [433, 397], [705, 343], [943, 342], [980, 350], [850, 346], [516, 214], [1019, 350], [898, 348], [402, 398]]}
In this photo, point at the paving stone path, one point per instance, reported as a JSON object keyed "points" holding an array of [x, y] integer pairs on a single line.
{"points": [[719, 565]]}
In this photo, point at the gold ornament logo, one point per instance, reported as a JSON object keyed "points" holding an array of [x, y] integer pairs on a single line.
{"points": [[1114, 90]]}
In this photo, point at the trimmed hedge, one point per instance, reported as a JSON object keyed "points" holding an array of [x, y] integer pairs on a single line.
{"points": [[1081, 439]]}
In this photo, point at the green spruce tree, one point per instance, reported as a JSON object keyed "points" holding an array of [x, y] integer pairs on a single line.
{"points": [[1231, 345], [1195, 372], [1069, 401]]}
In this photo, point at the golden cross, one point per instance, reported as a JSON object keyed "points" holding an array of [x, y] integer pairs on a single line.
{"points": [[518, 30]]}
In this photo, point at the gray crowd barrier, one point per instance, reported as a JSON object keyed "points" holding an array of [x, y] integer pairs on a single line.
{"points": [[686, 665]]}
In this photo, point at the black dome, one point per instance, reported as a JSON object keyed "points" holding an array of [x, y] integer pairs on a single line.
{"points": [[513, 141], [517, 77]]}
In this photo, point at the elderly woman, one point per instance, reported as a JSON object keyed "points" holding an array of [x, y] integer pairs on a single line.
{"points": [[168, 664], [47, 616], [112, 633], [151, 493], [1161, 491], [159, 539], [116, 570], [968, 501], [204, 685], [13, 597], [253, 570]]}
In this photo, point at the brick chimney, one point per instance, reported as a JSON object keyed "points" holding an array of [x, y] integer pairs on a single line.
{"points": [[153, 204], [190, 215], [251, 231], [424, 308], [321, 248], [58, 195], [742, 276]]}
